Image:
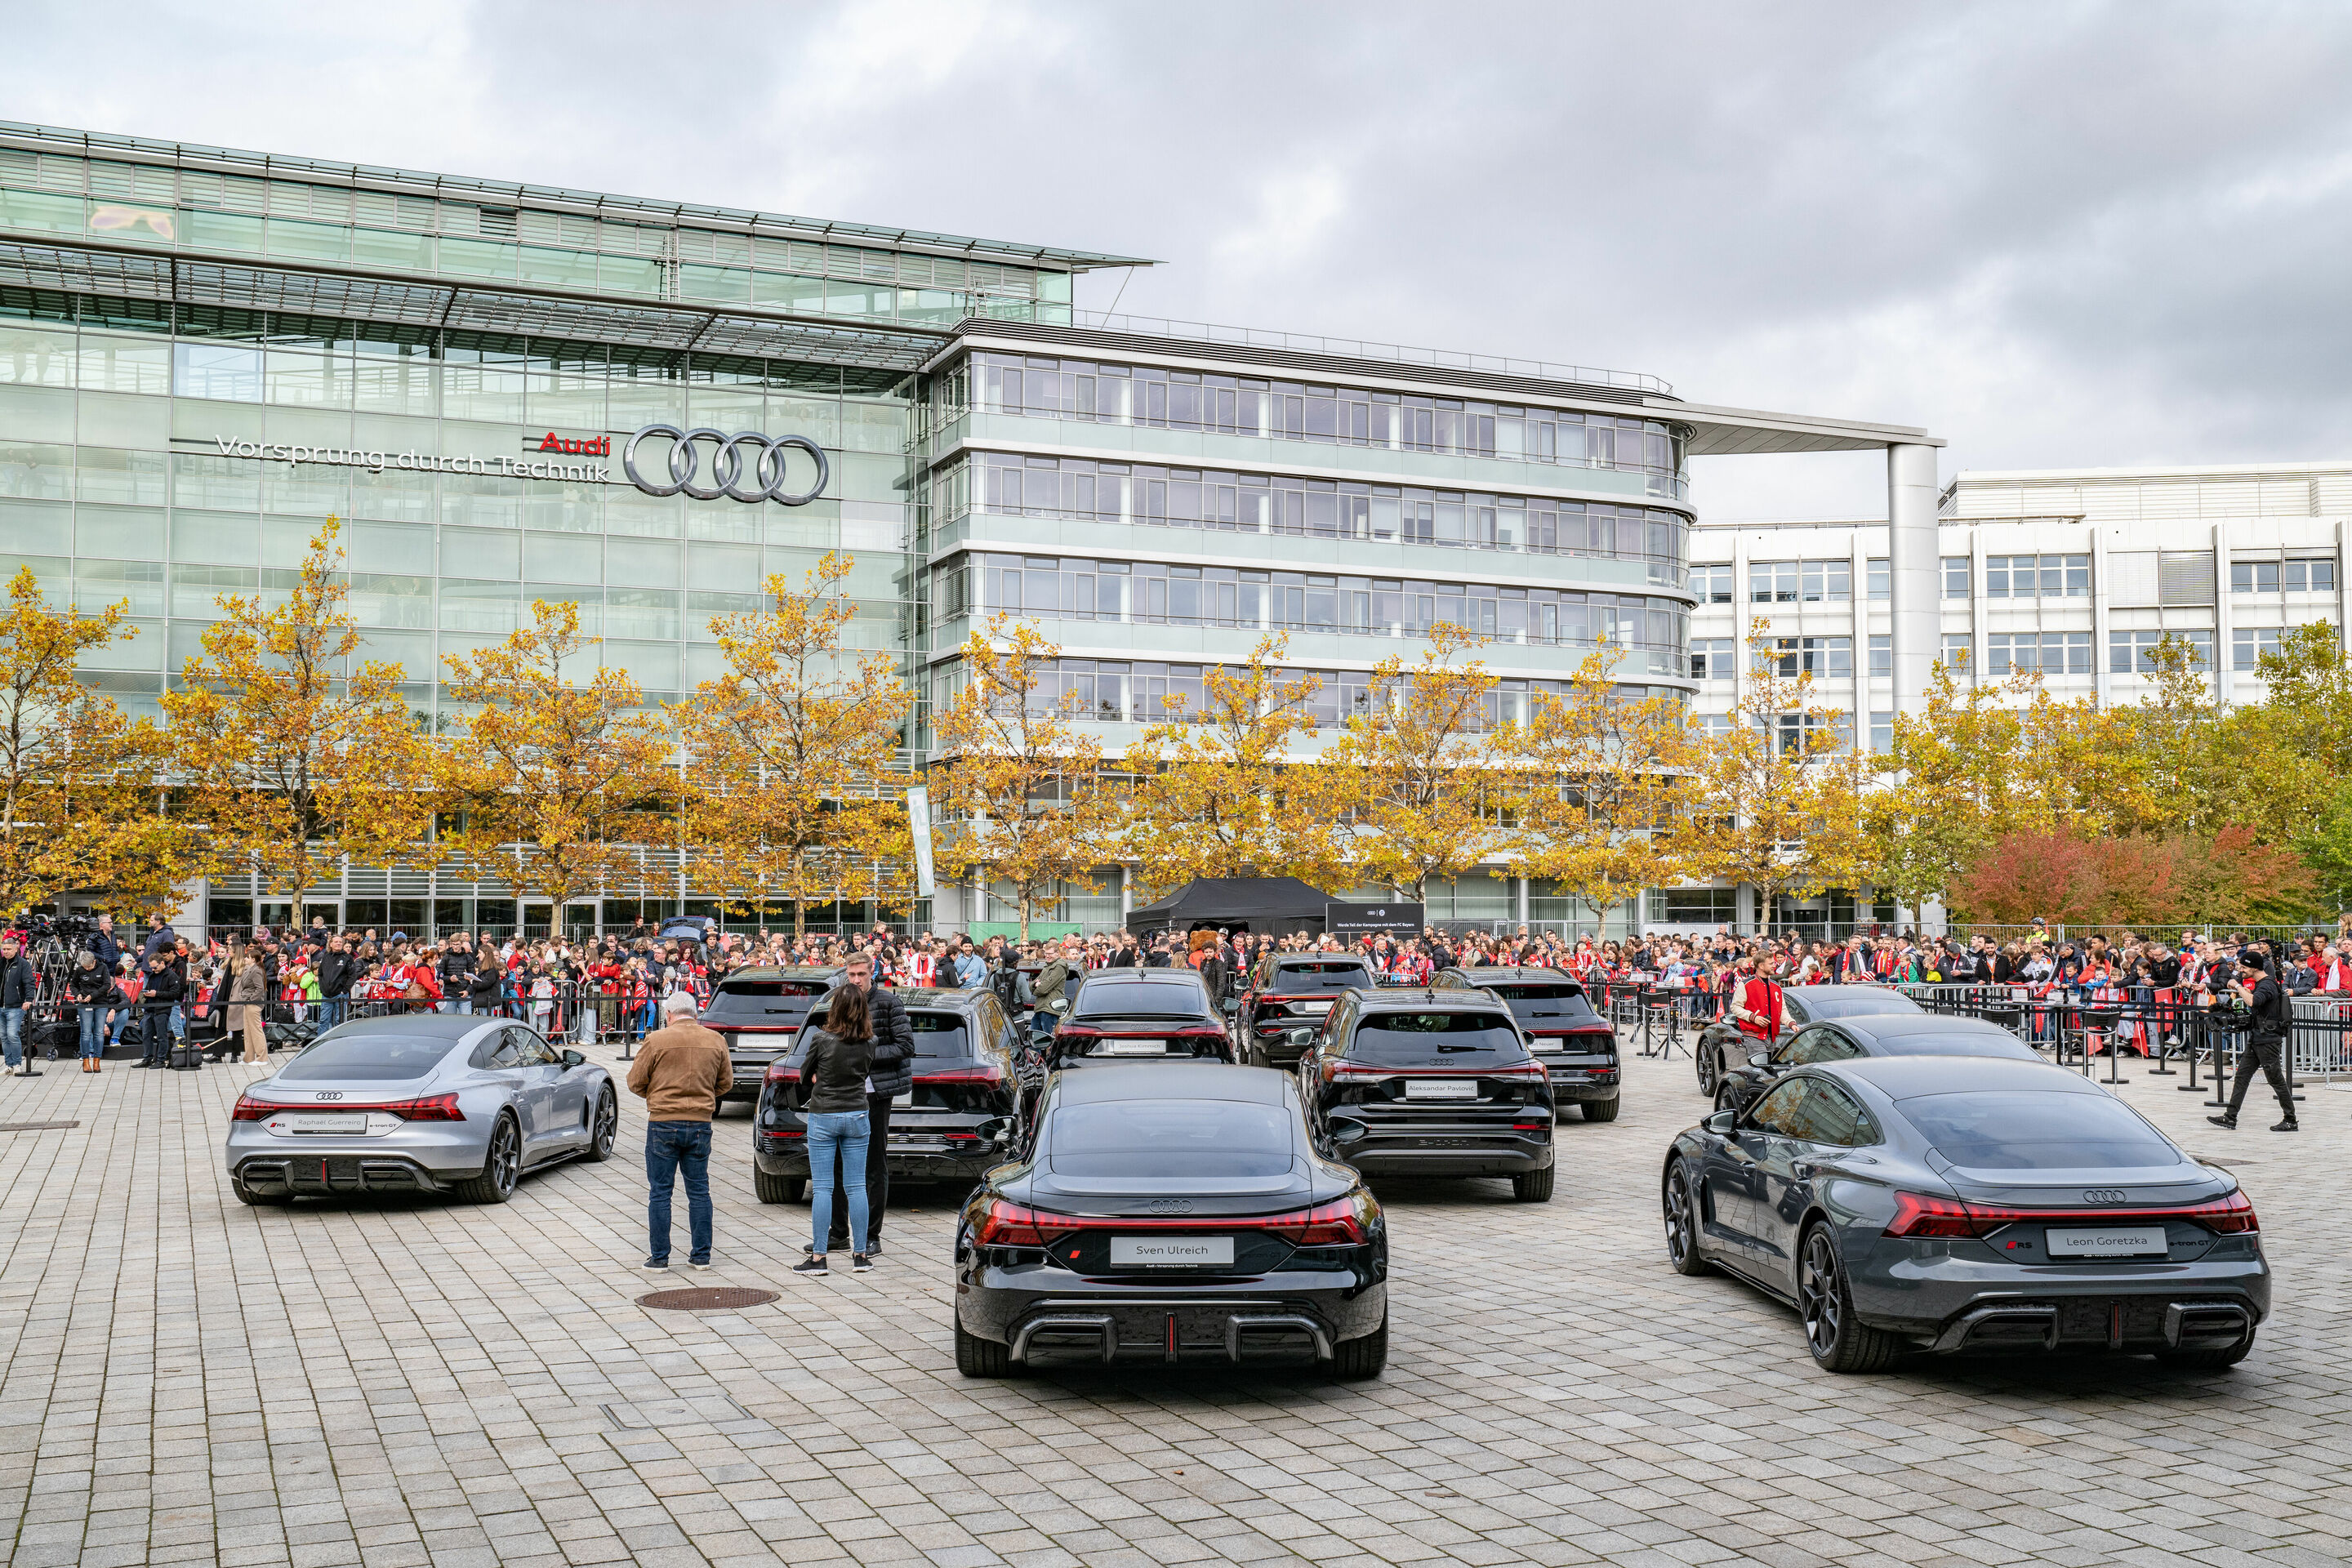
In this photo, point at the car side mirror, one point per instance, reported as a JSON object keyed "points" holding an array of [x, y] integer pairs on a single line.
{"points": [[575, 1059], [1721, 1122], [1759, 1059]]}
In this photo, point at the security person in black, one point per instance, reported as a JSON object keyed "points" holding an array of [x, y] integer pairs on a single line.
{"points": [[2266, 1043]]}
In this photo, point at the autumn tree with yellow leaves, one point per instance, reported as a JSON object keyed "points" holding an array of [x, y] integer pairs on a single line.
{"points": [[1603, 786], [793, 798], [1424, 771], [1019, 785], [555, 772], [78, 781], [1223, 790], [295, 754]]}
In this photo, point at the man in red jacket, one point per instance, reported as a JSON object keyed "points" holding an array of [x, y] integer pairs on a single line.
{"points": [[1755, 1007]]}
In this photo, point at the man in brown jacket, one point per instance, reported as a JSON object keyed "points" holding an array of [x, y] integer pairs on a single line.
{"points": [[680, 1073]]}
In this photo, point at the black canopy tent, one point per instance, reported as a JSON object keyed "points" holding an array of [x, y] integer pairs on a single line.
{"points": [[1262, 904]]}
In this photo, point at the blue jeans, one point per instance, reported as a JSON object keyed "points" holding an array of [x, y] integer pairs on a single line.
{"points": [[331, 1010], [11, 1036], [844, 1133], [93, 1030], [675, 1147]]}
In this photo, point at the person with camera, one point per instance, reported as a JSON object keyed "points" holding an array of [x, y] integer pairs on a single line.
{"points": [[2265, 1045], [159, 997], [92, 986]]}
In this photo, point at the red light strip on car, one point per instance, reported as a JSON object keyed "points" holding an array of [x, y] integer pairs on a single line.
{"points": [[1338, 1223], [1925, 1215], [988, 1075], [433, 1107]]}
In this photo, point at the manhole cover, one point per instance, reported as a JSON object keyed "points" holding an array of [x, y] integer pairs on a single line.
{"points": [[714, 1299]]}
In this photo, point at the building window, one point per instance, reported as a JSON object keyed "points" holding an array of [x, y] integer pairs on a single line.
{"points": [[1826, 581], [1794, 732], [1824, 657], [2315, 575], [2050, 653], [1712, 584], [1876, 573], [1882, 732], [1710, 658], [1956, 576], [2247, 643], [2128, 652], [221, 371], [1772, 582], [2253, 576], [2037, 576], [1693, 906], [1881, 655], [1956, 653], [2308, 576]]}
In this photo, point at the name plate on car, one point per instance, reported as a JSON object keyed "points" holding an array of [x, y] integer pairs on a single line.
{"points": [[1441, 1089], [2142, 1241], [345, 1121], [1171, 1251], [1133, 1048]]}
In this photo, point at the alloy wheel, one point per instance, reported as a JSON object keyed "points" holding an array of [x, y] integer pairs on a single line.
{"points": [[1817, 1294], [506, 1156], [608, 1123], [1682, 1234]]}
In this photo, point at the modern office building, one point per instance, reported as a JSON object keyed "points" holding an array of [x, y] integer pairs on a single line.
{"points": [[2074, 574], [517, 391]]}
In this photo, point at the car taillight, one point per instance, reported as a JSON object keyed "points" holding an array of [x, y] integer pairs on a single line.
{"points": [[1078, 1031], [1923, 1214], [983, 1074], [248, 1108], [1010, 1224], [1344, 1072], [432, 1107], [778, 1071], [1342, 1222], [1535, 1070]]}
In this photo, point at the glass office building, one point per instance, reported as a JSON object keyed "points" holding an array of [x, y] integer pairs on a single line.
{"points": [[205, 351]]}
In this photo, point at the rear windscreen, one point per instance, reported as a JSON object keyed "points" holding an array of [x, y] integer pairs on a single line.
{"points": [[1861, 1002], [1136, 999], [367, 1059], [758, 1001], [1290, 979], [1435, 1039], [2037, 1131], [1170, 1138], [940, 1034]]}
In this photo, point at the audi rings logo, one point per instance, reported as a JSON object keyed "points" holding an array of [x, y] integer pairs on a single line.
{"points": [[2106, 1195], [1169, 1206], [756, 477], [331, 1094]]}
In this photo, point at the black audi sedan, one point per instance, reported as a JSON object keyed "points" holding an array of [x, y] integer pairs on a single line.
{"points": [[959, 1119], [1576, 1044], [1175, 1219], [1851, 1040], [1277, 1018], [759, 1012], [1432, 1083], [1951, 1204], [1722, 1047]]}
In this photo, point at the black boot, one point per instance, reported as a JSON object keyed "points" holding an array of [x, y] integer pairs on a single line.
{"points": [[2226, 1119]]}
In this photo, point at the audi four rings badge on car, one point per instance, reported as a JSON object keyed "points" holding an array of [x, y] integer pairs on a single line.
{"points": [[726, 465]]}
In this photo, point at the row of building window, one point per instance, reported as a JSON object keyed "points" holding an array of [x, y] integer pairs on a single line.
{"points": [[1240, 406], [1081, 490], [2057, 576], [1714, 660], [1152, 593]]}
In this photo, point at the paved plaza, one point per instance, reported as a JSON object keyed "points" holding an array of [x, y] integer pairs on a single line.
{"points": [[397, 1382]]}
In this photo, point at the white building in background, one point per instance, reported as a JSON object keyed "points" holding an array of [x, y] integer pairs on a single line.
{"points": [[2075, 572]]}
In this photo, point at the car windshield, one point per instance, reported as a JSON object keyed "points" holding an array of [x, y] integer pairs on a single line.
{"points": [[1436, 1039], [1970, 1045], [1162, 1138], [1137, 999], [758, 1001], [940, 1034], [2037, 1131], [1293, 979], [367, 1059], [1860, 1002]]}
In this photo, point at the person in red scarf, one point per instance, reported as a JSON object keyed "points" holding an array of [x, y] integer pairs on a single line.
{"points": [[1756, 1004]]}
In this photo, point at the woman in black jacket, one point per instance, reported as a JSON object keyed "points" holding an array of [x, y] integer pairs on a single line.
{"points": [[833, 1076]]}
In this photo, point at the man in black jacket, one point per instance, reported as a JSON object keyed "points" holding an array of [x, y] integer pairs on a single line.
{"points": [[15, 995], [158, 999], [334, 983], [2265, 1046], [892, 1075]]}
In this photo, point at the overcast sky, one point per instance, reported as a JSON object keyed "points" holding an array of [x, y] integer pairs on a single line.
{"points": [[2054, 235]]}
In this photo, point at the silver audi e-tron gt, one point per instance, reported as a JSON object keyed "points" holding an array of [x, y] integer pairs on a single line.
{"points": [[424, 1102]]}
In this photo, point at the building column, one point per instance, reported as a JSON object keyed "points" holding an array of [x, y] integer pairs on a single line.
{"points": [[1126, 894], [1913, 603], [2225, 620], [2102, 601], [1522, 896]]}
